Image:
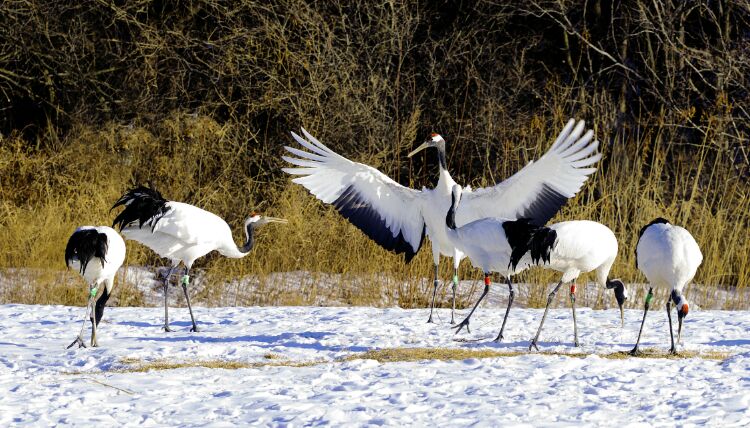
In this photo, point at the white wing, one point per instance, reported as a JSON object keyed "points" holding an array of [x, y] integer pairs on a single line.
{"points": [[387, 212], [541, 188]]}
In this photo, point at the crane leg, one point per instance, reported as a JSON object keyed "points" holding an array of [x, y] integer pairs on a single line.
{"points": [[97, 315], [573, 306], [550, 298], [635, 351], [434, 292], [465, 322], [673, 348], [166, 297], [511, 296], [185, 282], [79, 338], [455, 285]]}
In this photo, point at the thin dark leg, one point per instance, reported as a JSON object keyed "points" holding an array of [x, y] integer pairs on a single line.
{"points": [[673, 349], [434, 292], [166, 298], [680, 316], [649, 297], [550, 298], [455, 285], [185, 281], [96, 317], [511, 296], [573, 306], [465, 322]]}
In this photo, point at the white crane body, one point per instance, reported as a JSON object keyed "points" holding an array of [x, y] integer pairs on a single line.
{"points": [[669, 257]]}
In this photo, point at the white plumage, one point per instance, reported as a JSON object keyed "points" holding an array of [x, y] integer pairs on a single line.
{"points": [[96, 252], [397, 217], [180, 232], [669, 257]]}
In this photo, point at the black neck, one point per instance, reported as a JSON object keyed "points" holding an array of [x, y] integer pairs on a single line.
{"points": [[450, 219], [441, 156], [249, 235]]}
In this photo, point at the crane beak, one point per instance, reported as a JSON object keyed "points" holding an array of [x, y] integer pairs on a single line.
{"points": [[276, 220], [418, 149]]}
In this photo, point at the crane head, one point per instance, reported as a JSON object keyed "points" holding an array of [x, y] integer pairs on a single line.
{"points": [[621, 295], [435, 140]]}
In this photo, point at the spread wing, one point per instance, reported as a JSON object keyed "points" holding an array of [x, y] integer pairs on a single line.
{"points": [[387, 212], [540, 189]]}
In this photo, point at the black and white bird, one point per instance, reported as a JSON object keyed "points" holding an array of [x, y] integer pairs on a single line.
{"points": [[497, 245], [181, 233], [582, 246], [397, 217], [669, 257], [96, 252]]}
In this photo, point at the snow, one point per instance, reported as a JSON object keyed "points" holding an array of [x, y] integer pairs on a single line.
{"points": [[44, 384]]}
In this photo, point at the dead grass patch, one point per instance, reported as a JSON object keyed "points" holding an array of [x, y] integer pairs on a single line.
{"points": [[392, 355]]}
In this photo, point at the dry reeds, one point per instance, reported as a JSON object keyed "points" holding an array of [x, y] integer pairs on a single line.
{"points": [[197, 99]]}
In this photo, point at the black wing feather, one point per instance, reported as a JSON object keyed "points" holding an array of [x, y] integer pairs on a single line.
{"points": [[548, 202], [142, 204], [85, 245], [361, 214], [525, 236]]}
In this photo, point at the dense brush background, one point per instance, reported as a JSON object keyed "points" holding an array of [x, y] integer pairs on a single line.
{"points": [[198, 97]]}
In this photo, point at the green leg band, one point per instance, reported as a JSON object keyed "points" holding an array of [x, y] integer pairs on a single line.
{"points": [[455, 279], [92, 292], [649, 298], [185, 280]]}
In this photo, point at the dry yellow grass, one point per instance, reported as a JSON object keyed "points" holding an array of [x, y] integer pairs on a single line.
{"points": [[391, 355], [67, 189]]}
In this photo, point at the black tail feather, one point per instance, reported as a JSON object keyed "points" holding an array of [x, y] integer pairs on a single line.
{"points": [[142, 204], [84, 245], [523, 237]]}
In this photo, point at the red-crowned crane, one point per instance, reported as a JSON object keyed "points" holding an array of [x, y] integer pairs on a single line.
{"points": [[180, 232], [511, 246], [669, 257], [582, 246], [497, 245], [397, 217], [96, 252]]}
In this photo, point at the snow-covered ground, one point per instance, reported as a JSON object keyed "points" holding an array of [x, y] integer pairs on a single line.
{"points": [[44, 384]]}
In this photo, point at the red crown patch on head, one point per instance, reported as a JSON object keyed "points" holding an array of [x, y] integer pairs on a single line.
{"points": [[434, 134]]}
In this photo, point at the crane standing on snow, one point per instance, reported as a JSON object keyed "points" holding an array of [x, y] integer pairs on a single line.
{"points": [[397, 217], [497, 245], [669, 257], [582, 246], [96, 252], [509, 247], [181, 233]]}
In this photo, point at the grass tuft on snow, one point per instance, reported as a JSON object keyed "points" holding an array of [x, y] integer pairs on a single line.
{"points": [[391, 355]]}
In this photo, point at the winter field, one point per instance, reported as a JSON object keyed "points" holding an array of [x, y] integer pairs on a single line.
{"points": [[295, 366]]}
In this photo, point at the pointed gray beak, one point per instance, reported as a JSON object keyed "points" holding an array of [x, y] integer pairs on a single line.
{"points": [[418, 149], [276, 220]]}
